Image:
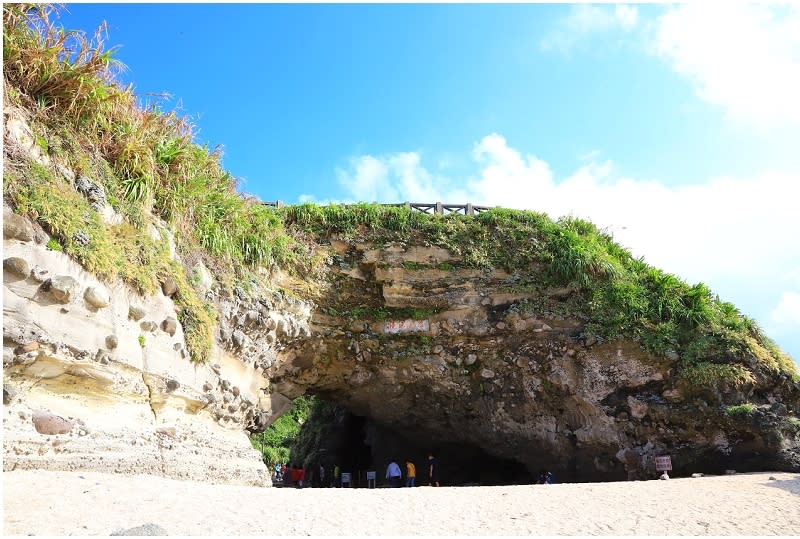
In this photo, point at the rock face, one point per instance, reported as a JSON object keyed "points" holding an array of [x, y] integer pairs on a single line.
{"points": [[422, 351], [80, 392], [511, 375]]}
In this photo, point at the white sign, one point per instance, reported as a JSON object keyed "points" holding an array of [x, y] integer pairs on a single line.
{"points": [[406, 326]]}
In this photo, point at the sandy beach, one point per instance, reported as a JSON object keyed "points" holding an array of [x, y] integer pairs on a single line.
{"points": [[87, 503]]}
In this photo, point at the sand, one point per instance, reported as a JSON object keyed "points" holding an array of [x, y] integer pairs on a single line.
{"points": [[87, 503]]}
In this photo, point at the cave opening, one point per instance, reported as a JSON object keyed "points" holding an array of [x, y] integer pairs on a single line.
{"points": [[359, 444]]}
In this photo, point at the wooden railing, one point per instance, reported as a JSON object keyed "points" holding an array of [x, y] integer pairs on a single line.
{"points": [[434, 208]]}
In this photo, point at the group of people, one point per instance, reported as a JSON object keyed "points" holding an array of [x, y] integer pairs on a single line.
{"points": [[293, 475], [394, 475]]}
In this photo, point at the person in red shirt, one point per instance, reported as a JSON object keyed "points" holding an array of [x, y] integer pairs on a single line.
{"points": [[301, 476]]}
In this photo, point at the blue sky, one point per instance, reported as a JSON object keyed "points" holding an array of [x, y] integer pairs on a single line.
{"points": [[676, 127]]}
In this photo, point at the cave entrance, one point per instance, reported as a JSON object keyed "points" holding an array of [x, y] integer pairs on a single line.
{"points": [[359, 444]]}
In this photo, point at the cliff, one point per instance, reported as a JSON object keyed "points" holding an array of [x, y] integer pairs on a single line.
{"points": [[153, 317]]}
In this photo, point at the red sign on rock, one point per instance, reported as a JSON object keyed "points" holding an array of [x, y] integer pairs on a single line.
{"points": [[405, 326], [663, 464]]}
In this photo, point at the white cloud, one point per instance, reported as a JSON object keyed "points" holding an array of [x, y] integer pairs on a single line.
{"points": [[725, 227], [742, 57], [584, 21], [786, 316]]}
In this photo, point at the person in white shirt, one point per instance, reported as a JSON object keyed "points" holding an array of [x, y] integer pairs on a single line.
{"points": [[393, 474]]}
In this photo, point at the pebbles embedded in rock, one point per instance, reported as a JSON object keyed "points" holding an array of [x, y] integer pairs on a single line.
{"points": [[16, 265], [238, 338], [25, 348], [487, 373], [438, 349], [97, 297], [135, 313], [169, 287], [112, 342], [471, 359], [207, 387], [148, 325], [8, 394], [170, 325], [172, 385], [39, 274], [62, 287]]}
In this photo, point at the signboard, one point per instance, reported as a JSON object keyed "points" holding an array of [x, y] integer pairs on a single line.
{"points": [[406, 326], [346, 478], [370, 475], [663, 464]]}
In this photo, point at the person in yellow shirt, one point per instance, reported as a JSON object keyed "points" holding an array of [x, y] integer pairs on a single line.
{"points": [[411, 474]]}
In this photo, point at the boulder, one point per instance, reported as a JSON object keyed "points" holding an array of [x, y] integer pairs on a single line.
{"points": [[17, 227], [48, 423], [17, 266], [63, 288], [97, 297]]}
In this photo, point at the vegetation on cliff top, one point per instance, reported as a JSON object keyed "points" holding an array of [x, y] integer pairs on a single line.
{"points": [[622, 296], [63, 84], [151, 170]]}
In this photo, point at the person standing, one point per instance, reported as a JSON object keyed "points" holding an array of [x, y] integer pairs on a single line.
{"points": [[393, 474], [411, 474], [321, 475], [433, 470], [337, 475]]}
